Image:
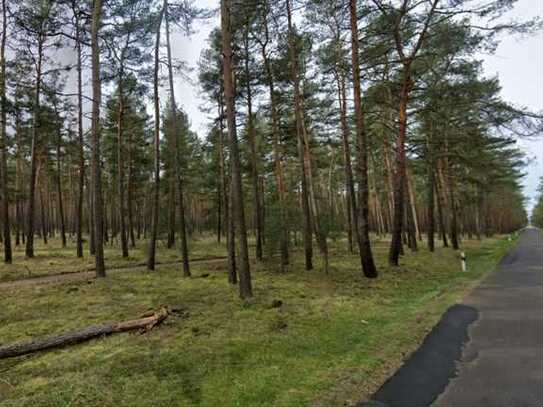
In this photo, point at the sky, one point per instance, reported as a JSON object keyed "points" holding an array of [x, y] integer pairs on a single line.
{"points": [[518, 62]]}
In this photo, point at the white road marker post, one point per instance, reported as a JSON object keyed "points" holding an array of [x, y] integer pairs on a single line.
{"points": [[463, 260]]}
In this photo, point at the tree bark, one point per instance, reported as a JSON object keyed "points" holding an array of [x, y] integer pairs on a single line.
{"points": [[3, 140], [179, 188], [80, 134], [42, 212], [278, 164], [222, 168], [410, 216], [245, 286], [430, 185], [30, 214], [19, 181], [145, 324], [120, 160], [308, 201], [226, 197], [130, 195], [400, 173], [366, 255], [347, 162], [441, 217], [231, 237], [252, 144], [98, 206], [452, 207], [156, 190], [59, 185]]}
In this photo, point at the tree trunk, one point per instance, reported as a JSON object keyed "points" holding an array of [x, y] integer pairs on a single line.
{"points": [[96, 135], [400, 174], [3, 140], [81, 186], [226, 197], [441, 217], [245, 286], [179, 188], [347, 162], [130, 197], [413, 204], [231, 237], [42, 214], [278, 164], [430, 190], [171, 211], [454, 216], [222, 168], [29, 250], [409, 213], [121, 163], [252, 144], [308, 201], [145, 323], [156, 190], [59, 187], [19, 175], [366, 255]]}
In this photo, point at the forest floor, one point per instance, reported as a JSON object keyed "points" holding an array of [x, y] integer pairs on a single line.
{"points": [[54, 260], [333, 341]]}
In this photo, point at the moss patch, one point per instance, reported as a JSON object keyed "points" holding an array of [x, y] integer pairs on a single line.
{"points": [[333, 340]]}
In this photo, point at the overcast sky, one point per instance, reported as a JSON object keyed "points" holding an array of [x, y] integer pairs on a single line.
{"points": [[518, 62]]}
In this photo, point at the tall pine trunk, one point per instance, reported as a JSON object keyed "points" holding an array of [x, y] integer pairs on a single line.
{"points": [[179, 188], [400, 172], [440, 214], [226, 197], [308, 197], [130, 194], [19, 181], [366, 255], [59, 185], [121, 163], [97, 203], [254, 155], [245, 286], [80, 135], [156, 189], [30, 213], [278, 164], [430, 185], [352, 207], [3, 140]]}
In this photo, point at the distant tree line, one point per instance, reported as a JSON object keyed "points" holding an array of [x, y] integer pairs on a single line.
{"points": [[537, 214]]}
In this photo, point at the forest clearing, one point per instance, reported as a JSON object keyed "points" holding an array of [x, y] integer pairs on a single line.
{"points": [[278, 214]]}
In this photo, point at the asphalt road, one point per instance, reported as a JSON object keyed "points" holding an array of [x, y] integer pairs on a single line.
{"points": [[486, 351]]}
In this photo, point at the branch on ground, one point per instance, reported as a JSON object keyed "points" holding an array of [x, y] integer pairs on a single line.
{"points": [[144, 324]]}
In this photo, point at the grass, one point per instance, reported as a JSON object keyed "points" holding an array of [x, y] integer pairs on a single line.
{"points": [[334, 340], [54, 259]]}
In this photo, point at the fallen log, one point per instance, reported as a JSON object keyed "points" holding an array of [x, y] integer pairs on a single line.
{"points": [[144, 324]]}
